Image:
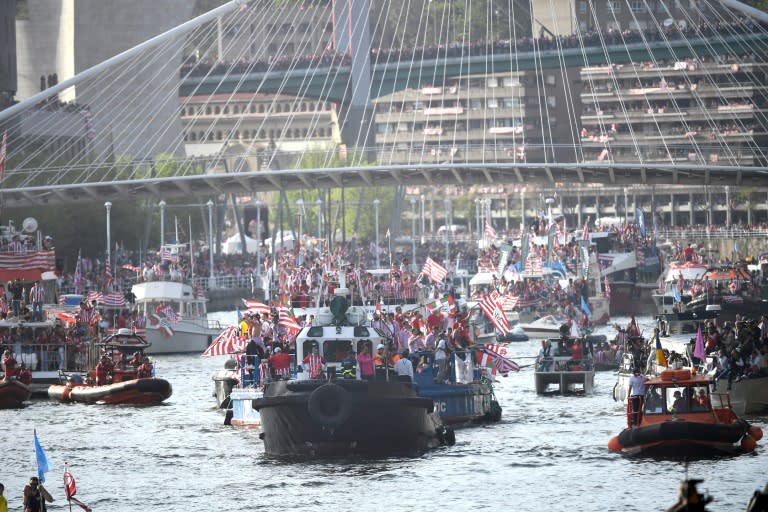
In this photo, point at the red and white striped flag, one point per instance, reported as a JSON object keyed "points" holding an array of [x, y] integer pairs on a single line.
{"points": [[110, 278], [228, 342], [501, 364], [489, 231], [434, 270], [255, 306], [288, 320], [585, 231], [491, 307], [70, 488]]}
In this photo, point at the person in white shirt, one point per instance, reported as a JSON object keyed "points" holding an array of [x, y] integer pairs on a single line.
{"points": [[404, 367], [636, 395]]}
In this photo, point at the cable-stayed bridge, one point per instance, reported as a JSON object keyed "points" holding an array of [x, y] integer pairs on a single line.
{"points": [[445, 93]]}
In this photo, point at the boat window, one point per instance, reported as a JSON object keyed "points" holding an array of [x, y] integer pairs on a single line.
{"points": [[336, 350], [700, 400], [314, 332], [678, 399], [361, 332], [654, 401]]}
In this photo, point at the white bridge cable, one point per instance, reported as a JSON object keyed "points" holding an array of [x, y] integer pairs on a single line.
{"points": [[106, 96], [756, 82], [705, 110]]}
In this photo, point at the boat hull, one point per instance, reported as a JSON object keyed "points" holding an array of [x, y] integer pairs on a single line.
{"points": [[747, 396], [13, 393], [135, 392], [463, 404], [684, 437], [242, 413], [347, 418], [223, 384], [632, 299], [188, 337], [564, 382]]}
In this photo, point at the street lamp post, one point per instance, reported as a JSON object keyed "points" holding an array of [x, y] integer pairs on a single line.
{"points": [[108, 206], [211, 278], [413, 233], [422, 217], [300, 215], [477, 217], [376, 204], [319, 203], [162, 204], [447, 205], [258, 240]]}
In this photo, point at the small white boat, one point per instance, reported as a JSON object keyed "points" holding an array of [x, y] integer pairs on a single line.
{"points": [[189, 332], [544, 327]]}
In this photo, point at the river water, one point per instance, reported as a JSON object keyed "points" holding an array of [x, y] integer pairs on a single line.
{"points": [[548, 453]]}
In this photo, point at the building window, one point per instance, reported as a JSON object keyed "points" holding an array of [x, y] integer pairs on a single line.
{"points": [[492, 83], [637, 6], [582, 7], [614, 6]]}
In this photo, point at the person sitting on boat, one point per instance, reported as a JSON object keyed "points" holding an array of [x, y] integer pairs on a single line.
{"points": [[680, 403], [314, 363], [104, 370], [636, 396], [365, 361], [9, 364], [404, 367], [145, 370], [702, 400], [135, 360], [279, 364], [24, 374]]}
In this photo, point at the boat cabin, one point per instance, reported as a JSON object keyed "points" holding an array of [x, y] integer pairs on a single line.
{"points": [[334, 344], [121, 347], [679, 392]]}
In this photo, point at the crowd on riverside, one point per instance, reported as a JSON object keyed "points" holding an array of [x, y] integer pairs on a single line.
{"points": [[331, 58]]}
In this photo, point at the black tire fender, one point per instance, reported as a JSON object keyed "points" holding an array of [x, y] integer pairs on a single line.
{"points": [[329, 405], [228, 417]]}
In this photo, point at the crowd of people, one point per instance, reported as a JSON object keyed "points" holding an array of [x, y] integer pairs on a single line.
{"points": [[545, 42]]}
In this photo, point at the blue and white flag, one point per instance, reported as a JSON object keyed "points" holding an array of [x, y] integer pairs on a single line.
{"points": [[585, 307], [42, 459], [676, 294], [640, 221]]}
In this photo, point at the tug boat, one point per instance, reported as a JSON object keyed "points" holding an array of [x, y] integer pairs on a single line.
{"points": [[678, 418], [13, 393], [126, 387], [313, 413]]}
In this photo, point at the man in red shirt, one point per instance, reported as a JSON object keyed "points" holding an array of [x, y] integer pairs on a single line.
{"points": [[280, 364]]}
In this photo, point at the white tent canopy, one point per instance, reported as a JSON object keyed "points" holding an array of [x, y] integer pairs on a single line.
{"points": [[233, 245]]}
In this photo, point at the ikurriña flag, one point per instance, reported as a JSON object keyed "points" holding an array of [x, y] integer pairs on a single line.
{"points": [[500, 364], [70, 488]]}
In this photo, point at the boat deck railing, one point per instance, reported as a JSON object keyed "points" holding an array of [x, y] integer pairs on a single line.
{"points": [[53, 357], [559, 364]]}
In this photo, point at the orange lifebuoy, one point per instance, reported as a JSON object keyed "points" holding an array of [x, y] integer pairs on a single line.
{"points": [[755, 432]]}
